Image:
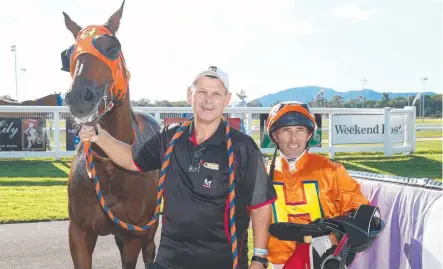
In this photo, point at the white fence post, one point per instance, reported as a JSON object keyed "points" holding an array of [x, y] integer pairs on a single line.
{"points": [[57, 135], [249, 130], [406, 130], [409, 138], [330, 134], [414, 129], [157, 116], [387, 131]]}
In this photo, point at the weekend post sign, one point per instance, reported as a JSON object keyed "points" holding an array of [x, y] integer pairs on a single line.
{"points": [[366, 129]]}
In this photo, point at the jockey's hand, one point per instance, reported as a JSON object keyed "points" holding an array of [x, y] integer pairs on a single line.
{"points": [[88, 134]]}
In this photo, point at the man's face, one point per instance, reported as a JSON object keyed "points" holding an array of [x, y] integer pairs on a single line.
{"points": [[208, 99], [292, 140]]}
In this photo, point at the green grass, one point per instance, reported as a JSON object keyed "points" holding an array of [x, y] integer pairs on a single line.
{"points": [[423, 134], [35, 189], [426, 162], [429, 121]]}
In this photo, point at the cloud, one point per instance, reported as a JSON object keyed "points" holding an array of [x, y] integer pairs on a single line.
{"points": [[355, 13]]}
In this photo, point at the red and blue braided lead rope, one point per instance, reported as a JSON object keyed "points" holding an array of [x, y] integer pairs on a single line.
{"points": [[90, 163]]}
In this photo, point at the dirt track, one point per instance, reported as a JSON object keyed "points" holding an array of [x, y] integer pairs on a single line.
{"points": [[45, 245]]}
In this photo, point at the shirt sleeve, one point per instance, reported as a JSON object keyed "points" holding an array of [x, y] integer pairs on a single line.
{"points": [[258, 184], [147, 157], [347, 191]]}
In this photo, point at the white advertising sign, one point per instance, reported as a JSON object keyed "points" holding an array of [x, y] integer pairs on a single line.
{"points": [[366, 129]]}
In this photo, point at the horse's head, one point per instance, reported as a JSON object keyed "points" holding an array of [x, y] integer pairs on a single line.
{"points": [[97, 67]]}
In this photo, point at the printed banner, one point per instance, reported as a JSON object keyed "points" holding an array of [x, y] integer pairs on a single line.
{"points": [[10, 134], [34, 134], [265, 141], [17, 134]]}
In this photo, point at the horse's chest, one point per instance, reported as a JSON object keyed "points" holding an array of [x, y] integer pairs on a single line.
{"points": [[128, 195]]}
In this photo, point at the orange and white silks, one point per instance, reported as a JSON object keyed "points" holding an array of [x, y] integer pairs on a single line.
{"points": [[318, 188]]}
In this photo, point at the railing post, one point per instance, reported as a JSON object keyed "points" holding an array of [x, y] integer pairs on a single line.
{"points": [[413, 135], [406, 129], [330, 135], [387, 131], [249, 130], [408, 121], [157, 116], [57, 135]]}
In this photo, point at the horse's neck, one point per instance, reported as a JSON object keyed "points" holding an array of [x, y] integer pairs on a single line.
{"points": [[119, 123]]}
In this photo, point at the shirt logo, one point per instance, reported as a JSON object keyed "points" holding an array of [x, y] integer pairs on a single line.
{"points": [[207, 183]]}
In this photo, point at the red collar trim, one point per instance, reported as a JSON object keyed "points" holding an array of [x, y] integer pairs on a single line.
{"points": [[193, 139]]}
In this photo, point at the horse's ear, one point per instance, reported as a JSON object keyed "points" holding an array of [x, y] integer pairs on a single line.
{"points": [[71, 25], [114, 21]]}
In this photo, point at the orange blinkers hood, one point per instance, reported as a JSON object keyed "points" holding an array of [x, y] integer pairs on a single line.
{"points": [[85, 44]]}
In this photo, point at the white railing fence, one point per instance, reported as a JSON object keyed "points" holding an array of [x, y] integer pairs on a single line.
{"points": [[347, 129]]}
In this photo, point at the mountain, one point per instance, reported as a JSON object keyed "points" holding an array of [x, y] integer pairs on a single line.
{"points": [[306, 94]]}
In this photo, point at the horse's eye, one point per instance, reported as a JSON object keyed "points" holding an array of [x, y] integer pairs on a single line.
{"points": [[109, 46], [112, 53]]}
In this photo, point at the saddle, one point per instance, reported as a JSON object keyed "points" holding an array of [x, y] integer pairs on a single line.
{"points": [[355, 233]]}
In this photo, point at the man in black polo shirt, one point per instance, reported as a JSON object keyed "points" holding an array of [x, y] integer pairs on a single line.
{"points": [[196, 231]]}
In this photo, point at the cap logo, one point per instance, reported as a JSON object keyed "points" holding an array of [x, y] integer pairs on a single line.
{"points": [[213, 68]]}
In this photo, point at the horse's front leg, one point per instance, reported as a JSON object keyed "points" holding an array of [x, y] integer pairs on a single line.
{"points": [[131, 252], [82, 246], [149, 254]]}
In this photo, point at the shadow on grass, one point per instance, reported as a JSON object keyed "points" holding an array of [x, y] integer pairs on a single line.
{"points": [[33, 168], [29, 183]]}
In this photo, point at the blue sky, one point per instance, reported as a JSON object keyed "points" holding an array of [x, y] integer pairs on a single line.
{"points": [[264, 46]]}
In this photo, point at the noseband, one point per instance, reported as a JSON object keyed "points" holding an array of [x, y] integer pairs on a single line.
{"points": [[86, 44]]}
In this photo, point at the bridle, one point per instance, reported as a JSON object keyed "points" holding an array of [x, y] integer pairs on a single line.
{"points": [[86, 44]]}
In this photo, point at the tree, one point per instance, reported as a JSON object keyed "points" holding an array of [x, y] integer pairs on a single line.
{"points": [[254, 103], [7, 97], [337, 101]]}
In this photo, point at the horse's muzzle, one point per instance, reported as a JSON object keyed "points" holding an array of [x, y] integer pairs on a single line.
{"points": [[84, 97]]}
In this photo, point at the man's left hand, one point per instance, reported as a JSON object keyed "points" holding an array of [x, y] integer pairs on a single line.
{"points": [[256, 265]]}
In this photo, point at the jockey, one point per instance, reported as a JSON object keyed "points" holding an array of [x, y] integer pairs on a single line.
{"points": [[309, 186]]}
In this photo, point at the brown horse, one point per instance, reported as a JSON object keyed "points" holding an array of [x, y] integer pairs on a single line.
{"points": [[54, 99], [99, 94]]}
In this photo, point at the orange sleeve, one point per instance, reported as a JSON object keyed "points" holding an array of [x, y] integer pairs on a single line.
{"points": [[347, 191]]}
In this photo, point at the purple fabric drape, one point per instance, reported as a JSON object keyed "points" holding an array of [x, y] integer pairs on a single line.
{"points": [[403, 208]]}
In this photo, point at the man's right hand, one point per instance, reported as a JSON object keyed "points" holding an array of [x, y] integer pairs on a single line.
{"points": [[119, 152], [87, 133]]}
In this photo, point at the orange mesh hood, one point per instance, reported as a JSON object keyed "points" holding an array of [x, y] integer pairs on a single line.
{"points": [[85, 44]]}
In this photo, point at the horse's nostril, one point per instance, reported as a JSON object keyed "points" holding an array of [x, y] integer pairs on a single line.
{"points": [[88, 95]]}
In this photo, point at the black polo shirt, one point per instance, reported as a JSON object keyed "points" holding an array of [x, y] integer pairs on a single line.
{"points": [[195, 231]]}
